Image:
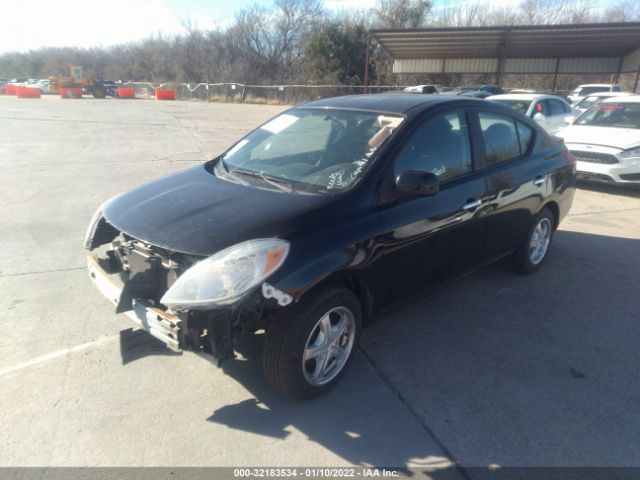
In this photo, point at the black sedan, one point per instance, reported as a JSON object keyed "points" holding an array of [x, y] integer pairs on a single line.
{"points": [[324, 218]]}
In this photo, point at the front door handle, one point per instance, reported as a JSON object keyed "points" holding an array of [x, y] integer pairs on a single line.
{"points": [[539, 180], [471, 204]]}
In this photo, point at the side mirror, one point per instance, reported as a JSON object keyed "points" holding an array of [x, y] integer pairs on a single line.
{"points": [[538, 117], [415, 182], [569, 119]]}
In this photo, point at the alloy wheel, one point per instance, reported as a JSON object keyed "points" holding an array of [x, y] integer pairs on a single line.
{"points": [[539, 242], [329, 346]]}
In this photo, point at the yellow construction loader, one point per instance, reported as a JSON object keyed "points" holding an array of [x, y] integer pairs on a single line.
{"points": [[76, 84]]}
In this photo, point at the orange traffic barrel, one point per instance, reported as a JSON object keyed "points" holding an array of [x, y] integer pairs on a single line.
{"points": [[165, 94], [70, 92], [27, 92], [126, 92]]}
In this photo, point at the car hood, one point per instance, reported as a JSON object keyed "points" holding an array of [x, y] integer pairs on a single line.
{"points": [[622, 138], [197, 213]]}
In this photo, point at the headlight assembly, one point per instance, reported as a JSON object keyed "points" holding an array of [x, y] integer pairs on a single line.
{"points": [[227, 275]]}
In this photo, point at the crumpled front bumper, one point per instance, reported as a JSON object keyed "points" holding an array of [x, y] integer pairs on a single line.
{"points": [[163, 325]]}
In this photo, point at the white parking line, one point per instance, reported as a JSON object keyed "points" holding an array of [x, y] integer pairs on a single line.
{"points": [[34, 362]]}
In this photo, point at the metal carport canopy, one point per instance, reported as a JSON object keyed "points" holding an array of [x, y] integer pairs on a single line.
{"points": [[580, 48]]}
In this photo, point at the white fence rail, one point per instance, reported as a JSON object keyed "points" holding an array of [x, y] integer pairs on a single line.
{"points": [[268, 94]]}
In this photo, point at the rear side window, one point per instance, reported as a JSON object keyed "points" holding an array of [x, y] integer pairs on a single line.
{"points": [[556, 107], [616, 88], [501, 139], [440, 145]]}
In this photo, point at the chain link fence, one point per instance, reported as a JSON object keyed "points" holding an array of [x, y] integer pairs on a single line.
{"points": [[261, 94]]}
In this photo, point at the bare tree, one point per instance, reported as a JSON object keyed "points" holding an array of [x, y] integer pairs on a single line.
{"points": [[402, 13], [623, 11]]}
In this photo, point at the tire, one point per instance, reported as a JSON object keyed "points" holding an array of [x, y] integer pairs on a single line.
{"points": [[301, 329], [528, 260]]}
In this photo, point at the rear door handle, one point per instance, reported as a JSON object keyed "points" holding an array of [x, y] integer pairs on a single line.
{"points": [[471, 204], [539, 181]]}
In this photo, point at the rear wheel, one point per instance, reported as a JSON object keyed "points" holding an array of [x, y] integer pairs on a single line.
{"points": [[533, 251], [309, 346]]}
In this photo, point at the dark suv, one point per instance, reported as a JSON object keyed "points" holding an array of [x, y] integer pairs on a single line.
{"points": [[325, 217]]}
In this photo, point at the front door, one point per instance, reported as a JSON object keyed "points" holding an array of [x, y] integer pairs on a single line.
{"points": [[430, 239]]}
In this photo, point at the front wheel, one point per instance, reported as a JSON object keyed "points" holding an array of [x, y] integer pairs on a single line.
{"points": [[308, 347], [533, 251]]}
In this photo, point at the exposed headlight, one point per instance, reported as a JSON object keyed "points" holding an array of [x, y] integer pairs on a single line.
{"points": [[93, 224], [632, 152], [224, 277]]}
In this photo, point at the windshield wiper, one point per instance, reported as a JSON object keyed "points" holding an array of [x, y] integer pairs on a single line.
{"points": [[273, 181]]}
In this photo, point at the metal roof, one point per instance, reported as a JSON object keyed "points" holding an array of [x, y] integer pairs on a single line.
{"points": [[536, 41]]}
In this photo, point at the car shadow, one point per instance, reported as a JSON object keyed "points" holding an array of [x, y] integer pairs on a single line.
{"points": [[361, 421], [628, 191], [137, 344], [536, 370]]}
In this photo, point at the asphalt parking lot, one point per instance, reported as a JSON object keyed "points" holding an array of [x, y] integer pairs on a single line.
{"points": [[497, 369]]}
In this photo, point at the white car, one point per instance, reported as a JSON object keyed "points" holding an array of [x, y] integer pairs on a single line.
{"points": [[548, 110], [589, 101], [590, 88], [42, 85], [606, 141], [437, 89]]}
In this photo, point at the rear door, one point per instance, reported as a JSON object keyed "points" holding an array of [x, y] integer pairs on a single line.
{"points": [[517, 181], [557, 112], [427, 240]]}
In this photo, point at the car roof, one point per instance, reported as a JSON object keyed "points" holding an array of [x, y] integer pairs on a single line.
{"points": [[609, 94], [597, 85], [396, 103], [623, 99], [521, 96]]}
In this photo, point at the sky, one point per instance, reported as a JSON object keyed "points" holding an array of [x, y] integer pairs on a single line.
{"points": [[85, 23]]}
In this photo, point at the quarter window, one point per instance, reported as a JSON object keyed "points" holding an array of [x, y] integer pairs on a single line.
{"points": [[501, 141], [440, 145], [525, 133]]}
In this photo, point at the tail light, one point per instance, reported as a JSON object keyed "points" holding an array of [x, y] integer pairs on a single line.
{"points": [[570, 158]]}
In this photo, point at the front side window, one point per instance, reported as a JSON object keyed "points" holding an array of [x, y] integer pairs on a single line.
{"points": [[310, 150], [501, 140], [440, 145], [542, 106], [615, 115]]}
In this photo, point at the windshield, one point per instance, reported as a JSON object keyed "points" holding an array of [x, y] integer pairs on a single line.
{"points": [[591, 90], [588, 102], [311, 150], [520, 105], [616, 115], [467, 88]]}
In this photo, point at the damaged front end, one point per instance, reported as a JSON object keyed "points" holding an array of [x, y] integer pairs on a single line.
{"points": [[201, 304]]}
